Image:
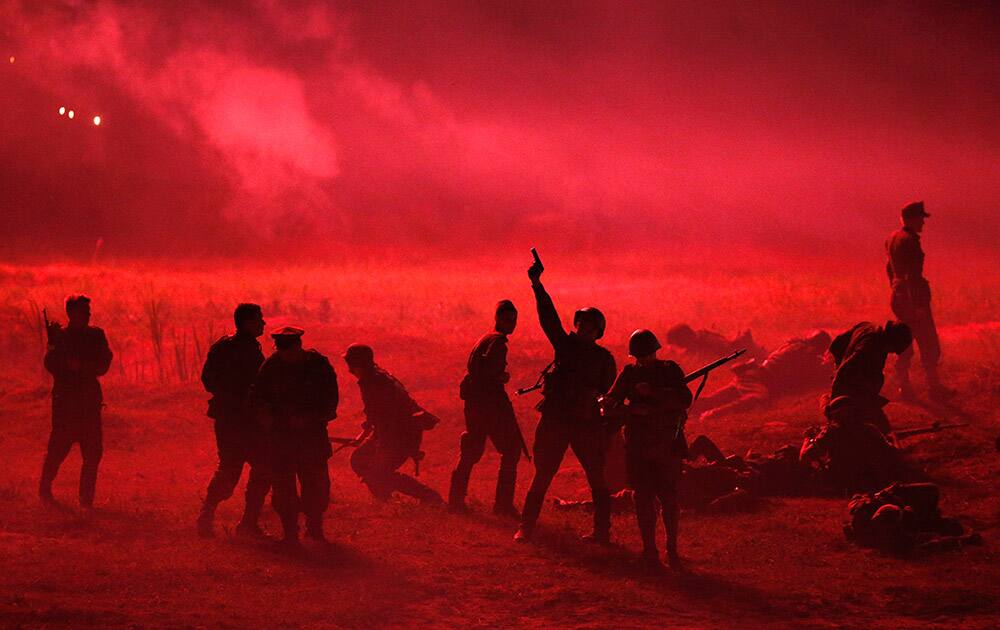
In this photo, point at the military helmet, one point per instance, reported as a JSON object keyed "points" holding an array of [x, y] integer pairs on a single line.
{"points": [[643, 342], [503, 306], [595, 315], [288, 331], [359, 354]]}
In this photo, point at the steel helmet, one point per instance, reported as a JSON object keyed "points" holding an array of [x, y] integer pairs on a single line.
{"points": [[643, 342]]}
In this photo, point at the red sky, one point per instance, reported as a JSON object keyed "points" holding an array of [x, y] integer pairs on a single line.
{"points": [[802, 126]]}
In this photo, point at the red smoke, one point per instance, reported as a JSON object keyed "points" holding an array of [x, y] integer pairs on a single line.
{"points": [[795, 126]]}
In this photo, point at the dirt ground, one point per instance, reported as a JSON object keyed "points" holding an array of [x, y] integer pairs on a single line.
{"points": [[137, 561]]}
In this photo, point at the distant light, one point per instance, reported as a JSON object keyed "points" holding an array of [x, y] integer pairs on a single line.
{"points": [[97, 120], [62, 111], [11, 59], [71, 113]]}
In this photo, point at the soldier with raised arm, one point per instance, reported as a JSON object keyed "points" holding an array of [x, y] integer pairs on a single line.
{"points": [[77, 356], [582, 371], [489, 414]]}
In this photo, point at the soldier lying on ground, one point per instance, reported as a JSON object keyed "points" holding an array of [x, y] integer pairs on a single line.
{"points": [[392, 431], [710, 342], [798, 365], [904, 518]]}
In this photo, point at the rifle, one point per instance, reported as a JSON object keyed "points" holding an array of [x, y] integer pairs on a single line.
{"points": [[934, 427], [344, 442], [51, 328], [703, 373], [538, 383]]}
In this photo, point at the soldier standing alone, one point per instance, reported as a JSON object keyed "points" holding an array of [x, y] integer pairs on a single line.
{"points": [[77, 355], [911, 300], [296, 395], [582, 372], [489, 414], [652, 399], [228, 374]]}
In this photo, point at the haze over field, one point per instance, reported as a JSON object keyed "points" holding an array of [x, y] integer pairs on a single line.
{"points": [[800, 127]]}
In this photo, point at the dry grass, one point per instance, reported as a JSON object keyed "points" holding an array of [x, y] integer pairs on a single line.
{"points": [[398, 564]]}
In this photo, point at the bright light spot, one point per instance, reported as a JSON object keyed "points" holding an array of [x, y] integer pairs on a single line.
{"points": [[62, 110], [97, 120], [11, 59], [71, 113]]}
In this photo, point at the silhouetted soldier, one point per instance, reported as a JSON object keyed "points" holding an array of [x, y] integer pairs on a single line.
{"points": [[296, 395], [859, 355], [796, 366], [651, 399], [582, 371], [489, 414], [228, 374], [911, 300], [77, 355], [710, 342], [392, 431]]}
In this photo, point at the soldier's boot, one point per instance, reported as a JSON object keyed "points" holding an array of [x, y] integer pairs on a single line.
{"points": [[249, 525], [671, 519], [290, 531], [602, 520], [503, 502], [456, 492], [206, 519], [314, 529]]}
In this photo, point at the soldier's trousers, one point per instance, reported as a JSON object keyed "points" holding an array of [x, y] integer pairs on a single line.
{"points": [[239, 444], [925, 336], [652, 481], [81, 427], [498, 424], [300, 456], [589, 442], [377, 464]]}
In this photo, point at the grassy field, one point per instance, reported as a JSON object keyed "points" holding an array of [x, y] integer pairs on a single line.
{"points": [[138, 562]]}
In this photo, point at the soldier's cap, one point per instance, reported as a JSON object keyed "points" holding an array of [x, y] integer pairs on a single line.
{"points": [[287, 331], [915, 209], [505, 305]]}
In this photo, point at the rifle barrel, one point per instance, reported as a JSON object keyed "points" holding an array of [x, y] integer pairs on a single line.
{"points": [[702, 371]]}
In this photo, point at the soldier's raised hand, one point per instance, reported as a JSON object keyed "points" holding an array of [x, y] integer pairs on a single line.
{"points": [[536, 268]]}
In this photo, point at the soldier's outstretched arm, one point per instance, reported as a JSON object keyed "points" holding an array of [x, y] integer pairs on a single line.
{"points": [[548, 316]]}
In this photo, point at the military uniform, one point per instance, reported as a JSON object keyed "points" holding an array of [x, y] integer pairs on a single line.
{"points": [[654, 443], [488, 414], [911, 303], [228, 374], [570, 416], [397, 424], [76, 357], [300, 398], [904, 517], [795, 366], [859, 355]]}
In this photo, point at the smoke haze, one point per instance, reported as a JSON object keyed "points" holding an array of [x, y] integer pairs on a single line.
{"points": [[308, 126]]}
